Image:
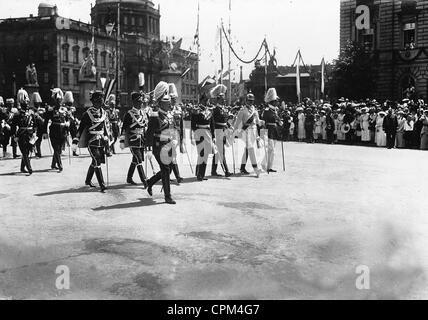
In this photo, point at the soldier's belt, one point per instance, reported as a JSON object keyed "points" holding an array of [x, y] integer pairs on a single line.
{"points": [[203, 126], [96, 132], [25, 128], [220, 124], [271, 124]]}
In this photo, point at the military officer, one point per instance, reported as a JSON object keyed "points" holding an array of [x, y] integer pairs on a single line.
{"points": [[178, 140], [272, 121], [113, 116], [8, 136], [59, 128], [160, 134], [92, 134], [133, 136], [24, 131], [246, 122], [202, 133], [220, 124]]}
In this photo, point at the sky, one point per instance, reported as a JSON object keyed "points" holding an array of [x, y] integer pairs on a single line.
{"points": [[309, 25]]}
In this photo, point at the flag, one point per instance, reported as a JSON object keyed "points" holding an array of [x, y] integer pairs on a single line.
{"points": [[185, 72], [109, 89], [196, 39], [322, 76], [299, 94]]}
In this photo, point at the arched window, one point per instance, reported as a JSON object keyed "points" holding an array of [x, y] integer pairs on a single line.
{"points": [[64, 52], [104, 59], [45, 53], [76, 50]]}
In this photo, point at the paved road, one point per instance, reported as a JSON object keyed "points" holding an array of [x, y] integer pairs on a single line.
{"points": [[293, 235]]}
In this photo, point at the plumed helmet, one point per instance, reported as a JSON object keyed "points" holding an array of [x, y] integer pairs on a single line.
{"points": [[161, 90], [57, 93], [173, 90], [68, 97], [97, 96], [22, 96], [218, 91], [271, 95], [141, 80], [111, 99]]}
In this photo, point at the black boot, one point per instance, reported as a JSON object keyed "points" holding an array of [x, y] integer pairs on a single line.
{"points": [[131, 174], [244, 171], [23, 167], [167, 189], [89, 176], [100, 179], [75, 154], [142, 175], [177, 173], [201, 172], [214, 168]]}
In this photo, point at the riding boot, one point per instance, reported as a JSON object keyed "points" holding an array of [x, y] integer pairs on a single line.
{"points": [[177, 173], [100, 179], [131, 174], [142, 175], [53, 163], [89, 176], [214, 167], [15, 151], [167, 189], [23, 166]]}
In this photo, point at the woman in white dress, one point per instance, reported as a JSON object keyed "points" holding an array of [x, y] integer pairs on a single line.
{"points": [[323, 125], [340, 135], [365, 125], [301, 132], [380, 134], [317, 128]]}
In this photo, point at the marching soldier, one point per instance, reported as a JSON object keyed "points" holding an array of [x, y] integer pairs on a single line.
{"points": [[92, 134], [40, 128], [202, 132], [247, 120], [178, 140], [159, 139], [59, 128], [272, 120], [113, 117], [24, 131], [220, 124], [74, 122], [8, 136], [133, 136]]}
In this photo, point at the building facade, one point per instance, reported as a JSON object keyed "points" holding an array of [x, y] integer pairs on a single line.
{"points": [[396, 34], [58, 47]]}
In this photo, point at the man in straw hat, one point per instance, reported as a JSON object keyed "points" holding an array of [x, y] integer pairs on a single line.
{"points": [[247, 121], [92, 134], [272, 120], [159, 139], [178, 140], [221, 124], [133, 136]]}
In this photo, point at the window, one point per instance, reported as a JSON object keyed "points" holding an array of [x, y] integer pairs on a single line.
{"points": [[133, 21], [46, 77], [76, 55], [96, 57], [65, 78], [65, 53], [110, 57], [140, 21], [75, 77], [103, 59], [409, 34], [125, 20], [46, 54]]}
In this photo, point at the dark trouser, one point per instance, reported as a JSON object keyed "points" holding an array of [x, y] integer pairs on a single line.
{"points": [[137, 162], [220, 156], [98, 157], [310, 134], [330, 136], [57, 145], [38, 146], [163, 174], [25, 148], [390, 140], [14, 146]]}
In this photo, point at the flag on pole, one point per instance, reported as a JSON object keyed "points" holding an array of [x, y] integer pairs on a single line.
{"points": [[196, 39], [299, 94], [109, 88], [322, 76]]}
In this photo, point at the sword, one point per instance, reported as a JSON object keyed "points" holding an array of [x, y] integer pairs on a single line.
{"points": [[233, 155], [108, 183], [188, 158], [283, 158]]}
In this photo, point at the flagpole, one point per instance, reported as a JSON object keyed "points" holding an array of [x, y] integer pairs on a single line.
{"points": [[266, 69], [230, 39], [221, 54], [198, 51], [118, 55]]}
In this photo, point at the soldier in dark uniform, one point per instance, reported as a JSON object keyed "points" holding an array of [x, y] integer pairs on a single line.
{"points": [[8, 136], [272, 121], [178, 140], [202, 133], [23, 129], [133, 136], [160, 133], [221, 124], [113, 117], [92, 134], [41, 127], [59, 128]]}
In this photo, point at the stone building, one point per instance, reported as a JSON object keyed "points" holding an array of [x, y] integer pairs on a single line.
{"points": [[58, 46], [397, 37]]}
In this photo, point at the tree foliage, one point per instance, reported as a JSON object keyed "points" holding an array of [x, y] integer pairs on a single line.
{"points": [[354, 72]]}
